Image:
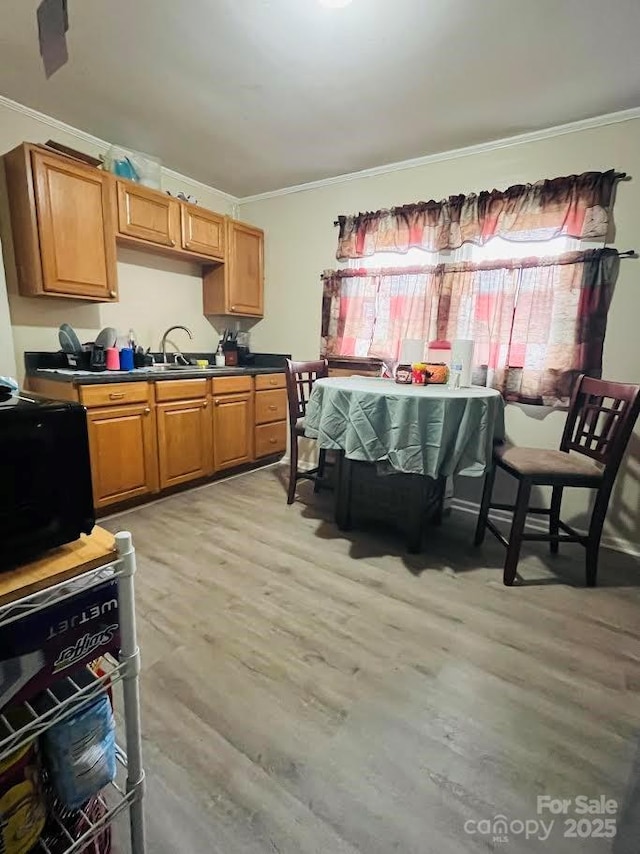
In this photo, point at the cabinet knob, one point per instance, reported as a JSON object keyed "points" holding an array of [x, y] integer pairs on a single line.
{"points": [[273, 408], [217, 402], [172, 243], [233, 308], [113, 294], [272, 440], [147, 410], [205, 404]]}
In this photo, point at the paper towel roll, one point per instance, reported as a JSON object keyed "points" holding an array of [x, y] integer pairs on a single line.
{"points": [[411, 350], [462, 359]]}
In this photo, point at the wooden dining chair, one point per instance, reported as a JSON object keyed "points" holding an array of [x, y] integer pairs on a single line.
{"points": [[300, 379], [599, 424]]}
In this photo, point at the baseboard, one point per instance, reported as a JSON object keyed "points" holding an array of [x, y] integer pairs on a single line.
{"points": [[617, 544]]}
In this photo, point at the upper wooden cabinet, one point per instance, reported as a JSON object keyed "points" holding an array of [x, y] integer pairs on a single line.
{"points": [[202, 231], [237, 287], [63, 228], [66, 218], [147, 214]]}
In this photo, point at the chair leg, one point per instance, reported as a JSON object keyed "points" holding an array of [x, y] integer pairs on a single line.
{"points": [[484, 506], [322, 457], [595, 534], [293, 468], [517, 529], [554, 518]]}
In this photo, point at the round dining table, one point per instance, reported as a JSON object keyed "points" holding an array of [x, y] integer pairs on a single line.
{"points": [[433, 431]]}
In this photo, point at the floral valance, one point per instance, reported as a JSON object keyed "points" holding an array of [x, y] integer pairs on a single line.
{"points": [[576, 206]]}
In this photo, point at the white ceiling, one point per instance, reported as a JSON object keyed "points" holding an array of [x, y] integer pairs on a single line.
{"points": [[255, 95]]}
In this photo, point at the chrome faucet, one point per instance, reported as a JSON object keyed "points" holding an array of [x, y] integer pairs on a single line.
{"points": [[163, 344]]}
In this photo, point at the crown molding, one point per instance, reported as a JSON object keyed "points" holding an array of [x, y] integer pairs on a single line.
{"points": [[453, 154], [102, 144]]}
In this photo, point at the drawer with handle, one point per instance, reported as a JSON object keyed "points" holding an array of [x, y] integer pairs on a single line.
{"points": [[268, 381], [181, 389], [231, 385], [271, 406], [113, 394], [271, 439]]}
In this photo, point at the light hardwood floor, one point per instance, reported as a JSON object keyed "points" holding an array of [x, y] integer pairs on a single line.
{"points": [[310, 692]]}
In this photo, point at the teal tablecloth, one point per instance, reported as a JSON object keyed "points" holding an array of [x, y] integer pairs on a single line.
{"points": [[429, 430]]}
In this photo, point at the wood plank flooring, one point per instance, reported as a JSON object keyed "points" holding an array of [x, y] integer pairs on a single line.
{"points": [[310, 692]]}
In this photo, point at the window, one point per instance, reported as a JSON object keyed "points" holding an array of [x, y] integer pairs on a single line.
{"points": [[516, 275]]}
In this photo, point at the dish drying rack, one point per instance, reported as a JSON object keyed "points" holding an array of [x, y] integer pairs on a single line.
{"points": [[63, 699]]}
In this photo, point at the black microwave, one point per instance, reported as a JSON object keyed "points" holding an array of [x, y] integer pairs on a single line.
{"points": [[45, 476]]}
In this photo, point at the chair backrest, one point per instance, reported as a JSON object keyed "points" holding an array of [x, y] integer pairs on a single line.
{"points": [[300, 379], [601, 418]]}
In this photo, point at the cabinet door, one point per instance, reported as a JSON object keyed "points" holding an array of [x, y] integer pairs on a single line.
{"points": [[202, 231], [75, 229], [245, 269], [232, 430], [122, 442], [184, 441], [147, 214]]}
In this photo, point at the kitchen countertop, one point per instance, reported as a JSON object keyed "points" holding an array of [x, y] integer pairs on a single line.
{"points": [[68, 375]]}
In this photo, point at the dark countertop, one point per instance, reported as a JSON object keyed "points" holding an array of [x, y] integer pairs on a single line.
{"points": [[52, 366], [68, 375]]}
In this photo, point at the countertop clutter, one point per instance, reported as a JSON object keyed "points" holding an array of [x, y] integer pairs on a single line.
{"points": [[54, 366], [157, 374]]}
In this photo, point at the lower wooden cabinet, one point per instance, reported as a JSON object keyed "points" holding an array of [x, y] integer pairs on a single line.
{"points": [[271, 406], [232, 429], [271, 410], [145, 437], [184, 441], [122, 442], [271, 439]]}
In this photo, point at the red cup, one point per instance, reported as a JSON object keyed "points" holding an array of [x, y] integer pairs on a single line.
{"points": [[113, 359]]}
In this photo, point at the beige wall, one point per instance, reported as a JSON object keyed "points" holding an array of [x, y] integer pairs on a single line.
{"points": [[301, 242], [154, 292]]}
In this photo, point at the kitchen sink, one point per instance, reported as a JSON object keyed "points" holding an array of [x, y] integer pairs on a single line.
{"points": [[172, 367], [180, 368]]}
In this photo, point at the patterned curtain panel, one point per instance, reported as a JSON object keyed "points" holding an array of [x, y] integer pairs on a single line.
{"points": [[577, 206], [537, 323]]}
